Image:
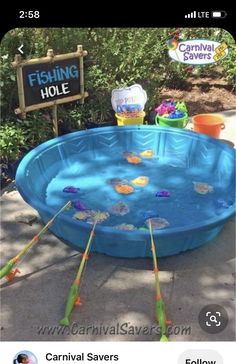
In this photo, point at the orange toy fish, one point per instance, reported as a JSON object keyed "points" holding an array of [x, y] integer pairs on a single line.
{"points": [[134, 159], [124, 189]]}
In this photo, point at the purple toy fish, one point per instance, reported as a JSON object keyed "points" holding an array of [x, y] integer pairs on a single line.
{"points": [[163, 193], [79, 205], [71, 189], [128, 154]]}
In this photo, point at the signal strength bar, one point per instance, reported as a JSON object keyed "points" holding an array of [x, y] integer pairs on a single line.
{"points": [[191, 15]]}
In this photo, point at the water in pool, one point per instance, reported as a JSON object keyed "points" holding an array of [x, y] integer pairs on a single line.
{"points": [[166, 189]]}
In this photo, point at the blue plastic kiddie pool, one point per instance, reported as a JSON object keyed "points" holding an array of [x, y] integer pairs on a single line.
{"points": [[183, 181]]}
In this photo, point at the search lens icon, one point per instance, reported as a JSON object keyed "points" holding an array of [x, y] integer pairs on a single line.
{"points": [[213, 318]]}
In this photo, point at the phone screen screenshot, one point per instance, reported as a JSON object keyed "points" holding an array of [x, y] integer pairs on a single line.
{"points": [[118, 189]]}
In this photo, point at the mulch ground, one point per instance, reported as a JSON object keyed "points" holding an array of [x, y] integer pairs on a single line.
{"points": [[203, 95]]}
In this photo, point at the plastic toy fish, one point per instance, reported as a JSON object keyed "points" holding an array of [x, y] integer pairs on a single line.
{"points": [[71, 189], [141, 181], [124, 189], [117, 181], [91, 215], [128, 227], [81, 215], [202, 188], [134, 159], [119, 209], [163, 193], [79, 205], [98, 216], [128, 154], [158, 223], [147, 153]]}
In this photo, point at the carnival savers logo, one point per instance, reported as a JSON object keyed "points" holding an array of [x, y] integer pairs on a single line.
{"points": [[197, 51]]}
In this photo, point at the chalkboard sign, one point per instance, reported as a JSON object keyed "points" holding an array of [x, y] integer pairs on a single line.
{"points": [[51, 81]]}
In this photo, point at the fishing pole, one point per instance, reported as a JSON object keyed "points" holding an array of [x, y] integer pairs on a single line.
{"points": [[73, 296], [160, 305], [8, 271]]}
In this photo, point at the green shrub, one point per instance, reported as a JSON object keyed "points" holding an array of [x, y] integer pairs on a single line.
{"points": [[70, 116], [37, 129], [8, 95], [12, 138]]}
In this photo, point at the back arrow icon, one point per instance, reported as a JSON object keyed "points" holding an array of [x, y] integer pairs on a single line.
{"points": [[20, 49]]}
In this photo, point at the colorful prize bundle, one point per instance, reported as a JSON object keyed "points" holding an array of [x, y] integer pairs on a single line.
{"points": [[172, 110]]}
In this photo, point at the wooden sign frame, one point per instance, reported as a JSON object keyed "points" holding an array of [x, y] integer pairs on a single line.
{"points": [[19, 63]]}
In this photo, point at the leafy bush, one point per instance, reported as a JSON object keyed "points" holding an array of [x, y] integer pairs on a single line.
{"points": [[15, 138], [8, 96], [70, 116], [37, 128], [12, 138]]}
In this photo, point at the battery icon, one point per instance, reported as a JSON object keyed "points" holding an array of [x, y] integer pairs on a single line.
{"points": [[218, 14]]}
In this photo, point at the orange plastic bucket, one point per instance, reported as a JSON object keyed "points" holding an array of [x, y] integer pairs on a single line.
{"points": [[209, 124]]}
